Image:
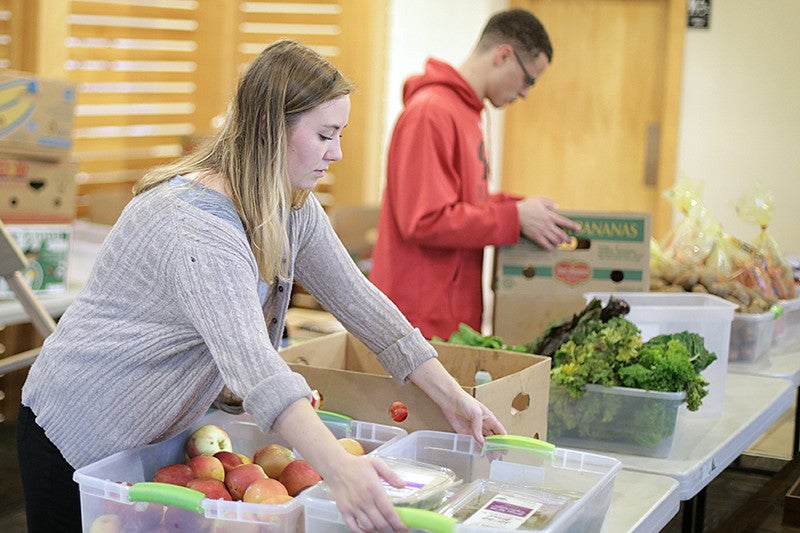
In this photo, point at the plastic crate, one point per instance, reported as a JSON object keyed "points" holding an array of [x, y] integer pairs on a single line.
{"points": [[752, 334], [614, 419], [586, 477], [787, 325], [104, 490], [657, 313]]}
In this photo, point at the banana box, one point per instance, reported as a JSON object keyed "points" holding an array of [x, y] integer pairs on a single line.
{"points": [[36, 116], [534, 287], [34, 191]]}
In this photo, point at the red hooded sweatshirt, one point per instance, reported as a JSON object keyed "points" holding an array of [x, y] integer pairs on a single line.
{"points": [[437, 213]]}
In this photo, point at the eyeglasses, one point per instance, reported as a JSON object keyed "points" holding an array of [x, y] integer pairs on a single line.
{"points": [[529, 80]]}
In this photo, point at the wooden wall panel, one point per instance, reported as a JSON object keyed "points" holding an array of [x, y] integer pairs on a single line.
{"points": [[153, 76]]}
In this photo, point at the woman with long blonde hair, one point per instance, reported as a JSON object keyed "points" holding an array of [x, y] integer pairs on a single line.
{"points": [[189, 294]]}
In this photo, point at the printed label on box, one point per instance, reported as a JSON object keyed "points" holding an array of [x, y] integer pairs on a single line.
{"points": [[505, 512]]}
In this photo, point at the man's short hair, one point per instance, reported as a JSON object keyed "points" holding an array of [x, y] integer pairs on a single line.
{"points": [[519, 28]]}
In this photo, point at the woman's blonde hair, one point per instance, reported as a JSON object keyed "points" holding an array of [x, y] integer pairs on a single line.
{"points": [[249, 152]]}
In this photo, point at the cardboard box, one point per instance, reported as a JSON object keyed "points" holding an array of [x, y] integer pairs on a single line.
{"points": [[535, 287], [352, 382], [521, 318], [37, 191], [36, 116], [47, 248]]}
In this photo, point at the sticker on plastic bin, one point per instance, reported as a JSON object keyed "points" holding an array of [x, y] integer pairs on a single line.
{"points": [[414, 482], [520, 474], [506, 512]]}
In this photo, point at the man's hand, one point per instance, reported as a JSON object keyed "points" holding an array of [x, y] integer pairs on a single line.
{"points": [[540, 223]]}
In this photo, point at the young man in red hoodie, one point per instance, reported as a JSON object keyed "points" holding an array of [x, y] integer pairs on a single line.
{"points": [[437, 213]]}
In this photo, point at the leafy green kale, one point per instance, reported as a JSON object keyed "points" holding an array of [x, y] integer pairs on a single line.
{"points": [[666, 367], [612, 354], [695, 346], [594, 353]]}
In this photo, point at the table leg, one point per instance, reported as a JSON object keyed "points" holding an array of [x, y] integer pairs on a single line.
{"points": [[694, 511], [796, 441]]}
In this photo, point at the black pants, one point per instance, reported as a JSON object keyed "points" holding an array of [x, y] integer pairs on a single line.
{"points": [[52, 498]]}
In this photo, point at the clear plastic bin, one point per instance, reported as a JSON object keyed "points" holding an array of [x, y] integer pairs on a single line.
{"points": [[752, 334], [104, 486], [585, 477], [657, 313], [614, 419], [787, 325]]}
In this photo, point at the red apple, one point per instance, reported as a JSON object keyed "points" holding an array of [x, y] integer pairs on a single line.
{"points": [[229, 460], [299, 475], [273, 458], [174, 474], [207, 466], [106, 523], [214, 489], [398, 411], [266, 490], [352, 445], [208, 440], [238, 479]]}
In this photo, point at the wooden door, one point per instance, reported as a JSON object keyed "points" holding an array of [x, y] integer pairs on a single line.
{"points": [[599, 130]]}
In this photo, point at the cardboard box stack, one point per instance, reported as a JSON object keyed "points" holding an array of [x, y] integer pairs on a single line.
{"points": [[535, 287], [37, 174]]}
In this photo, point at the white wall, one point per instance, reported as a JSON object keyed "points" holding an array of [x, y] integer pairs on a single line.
{"points": [[740, 112], [446, 30]]}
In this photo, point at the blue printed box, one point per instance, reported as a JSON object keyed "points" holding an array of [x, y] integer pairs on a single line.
{"points": [[534, 287]]}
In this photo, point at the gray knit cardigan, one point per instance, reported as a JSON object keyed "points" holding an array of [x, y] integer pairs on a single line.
{"points": [[171, 312]]}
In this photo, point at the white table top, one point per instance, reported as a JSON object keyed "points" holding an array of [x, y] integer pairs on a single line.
{"points": [[641, 503], [703, 446], [780, 361]]}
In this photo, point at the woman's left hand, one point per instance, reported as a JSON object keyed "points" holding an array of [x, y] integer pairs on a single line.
{"points": [[469, 416], [466, 414]]}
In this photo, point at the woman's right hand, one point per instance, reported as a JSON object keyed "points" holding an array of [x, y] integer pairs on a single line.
{"points": [[354, 480], [360, 496]]}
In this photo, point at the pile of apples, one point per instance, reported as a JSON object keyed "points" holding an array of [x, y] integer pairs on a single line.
{"points": [[273, 475]]}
